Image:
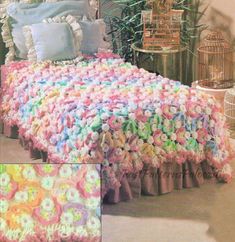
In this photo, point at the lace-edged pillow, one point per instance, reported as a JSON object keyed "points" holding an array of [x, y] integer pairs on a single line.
{"points": [[57, 38]]}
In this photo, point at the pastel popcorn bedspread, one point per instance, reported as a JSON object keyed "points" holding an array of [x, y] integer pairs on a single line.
{"points": [[50, 203], [107, 111]]}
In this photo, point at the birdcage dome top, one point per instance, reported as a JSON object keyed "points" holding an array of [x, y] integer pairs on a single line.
{"points": [[214, 42]]}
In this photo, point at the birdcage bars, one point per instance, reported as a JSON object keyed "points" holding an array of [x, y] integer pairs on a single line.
{"points": [[161, 30], [215, 62]]}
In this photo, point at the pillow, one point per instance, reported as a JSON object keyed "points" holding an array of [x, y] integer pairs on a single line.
{"points": [[54, 39], [93, 36], [21, 14]]}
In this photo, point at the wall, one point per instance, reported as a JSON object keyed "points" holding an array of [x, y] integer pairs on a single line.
{"points": [[220, 15]]}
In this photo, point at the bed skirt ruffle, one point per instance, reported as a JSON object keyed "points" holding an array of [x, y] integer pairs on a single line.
{"points": [[158, 181]]}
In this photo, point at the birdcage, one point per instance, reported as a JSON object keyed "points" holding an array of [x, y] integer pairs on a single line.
{"points": [[229, 110], [215, 62], [161, 25]]}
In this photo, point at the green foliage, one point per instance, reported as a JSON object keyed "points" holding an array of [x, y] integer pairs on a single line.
{"points": [[124, 21]]}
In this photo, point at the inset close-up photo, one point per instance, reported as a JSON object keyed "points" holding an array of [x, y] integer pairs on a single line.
{"points": [[50, 203]]}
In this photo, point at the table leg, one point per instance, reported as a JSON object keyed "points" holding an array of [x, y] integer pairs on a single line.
{"points": [[164, 58]]}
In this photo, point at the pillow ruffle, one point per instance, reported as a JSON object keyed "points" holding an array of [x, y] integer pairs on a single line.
{"points": [[7, 39], [70, 20], [32, 55]]}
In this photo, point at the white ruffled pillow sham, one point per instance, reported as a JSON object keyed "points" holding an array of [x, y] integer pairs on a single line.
{"points": [[42, 47]]}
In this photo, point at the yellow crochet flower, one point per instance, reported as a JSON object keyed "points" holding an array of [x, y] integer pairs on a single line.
{"points": [[16, 172]]}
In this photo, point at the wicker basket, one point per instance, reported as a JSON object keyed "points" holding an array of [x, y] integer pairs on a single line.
{"points": [[229, 110]]}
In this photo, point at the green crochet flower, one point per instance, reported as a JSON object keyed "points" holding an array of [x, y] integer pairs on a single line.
{"points": [[145, 131], [192, 144], [130, 125], [169, 146], [96, 124]]}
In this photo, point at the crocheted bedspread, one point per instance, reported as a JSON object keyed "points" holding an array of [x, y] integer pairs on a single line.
{"points": [[103, 110], [50, 203]]}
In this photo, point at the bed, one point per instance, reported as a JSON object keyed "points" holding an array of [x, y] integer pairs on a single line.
{"points": [[150, 134]]}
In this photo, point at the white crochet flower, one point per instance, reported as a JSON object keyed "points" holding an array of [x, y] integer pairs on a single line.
{"points": [[173, 137], [26, 221], [92, 176], [187, 135], [105, 127], [208, 111], [67, 218], [47, 204], [65, 171], [150, 140], [72, 195], [173, 110], [21, 196], [4, 179], [178, 124], [92, 203], [199, 124], [164, 137], [93, 224], [4, 205], [29, 173], [47, 182]]}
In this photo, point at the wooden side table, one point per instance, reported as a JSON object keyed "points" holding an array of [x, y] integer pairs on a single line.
{"points": [[166, 62]]}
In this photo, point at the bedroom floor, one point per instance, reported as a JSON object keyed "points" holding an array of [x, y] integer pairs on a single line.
{"points": [[7, 146], [205, 214]]}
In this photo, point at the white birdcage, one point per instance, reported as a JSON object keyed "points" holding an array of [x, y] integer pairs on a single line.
{"points": [[229, 110]]}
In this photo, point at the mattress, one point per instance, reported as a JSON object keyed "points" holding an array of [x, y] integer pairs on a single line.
{"points": [[104, 110]]}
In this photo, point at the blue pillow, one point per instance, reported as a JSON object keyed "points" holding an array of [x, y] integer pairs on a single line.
{"points": [[93, 36], [53, 41], [21, 14]]}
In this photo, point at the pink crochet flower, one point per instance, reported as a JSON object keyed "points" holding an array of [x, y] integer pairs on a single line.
{"points": [[202, 136], [47, 169], [180, 133], [157, 137], [115, 123]]}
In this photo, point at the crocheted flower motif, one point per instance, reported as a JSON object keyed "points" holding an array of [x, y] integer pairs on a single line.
{"points": [[65, 171], [47, 170], [31, 193], [60, 190], [77, 213], [48, 212], [14, 213], [29, 173], [94, 225], [47, 182], [115, 123], [7, 187], [88, 189]]}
